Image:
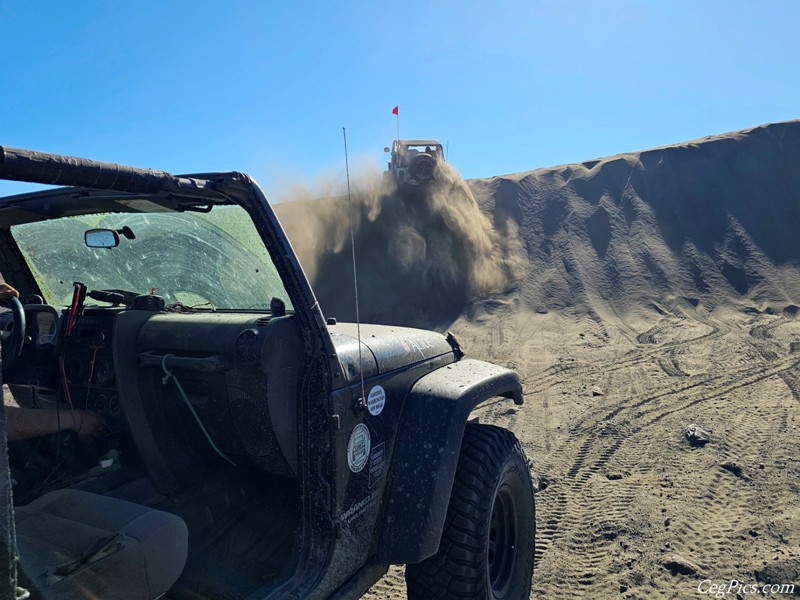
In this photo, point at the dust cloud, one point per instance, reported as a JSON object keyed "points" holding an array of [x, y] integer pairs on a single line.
{"points": [[421, 253]]}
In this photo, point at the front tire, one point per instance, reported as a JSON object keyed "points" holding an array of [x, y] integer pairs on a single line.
{"points": [[487, 544]]}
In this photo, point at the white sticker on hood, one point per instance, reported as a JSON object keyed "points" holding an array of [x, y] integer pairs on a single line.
{"points": [[376, 400], [358, 448]]}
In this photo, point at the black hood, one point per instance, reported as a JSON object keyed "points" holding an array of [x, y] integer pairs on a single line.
{"points": [[384, 347]]}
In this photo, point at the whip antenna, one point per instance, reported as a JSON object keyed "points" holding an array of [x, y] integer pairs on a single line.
{"points": [[363, 400]]}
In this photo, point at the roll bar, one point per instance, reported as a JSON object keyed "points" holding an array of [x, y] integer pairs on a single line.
{"points": [[55, 169]]}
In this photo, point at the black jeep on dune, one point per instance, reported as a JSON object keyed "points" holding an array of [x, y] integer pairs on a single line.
{"points": [[252, 448]]}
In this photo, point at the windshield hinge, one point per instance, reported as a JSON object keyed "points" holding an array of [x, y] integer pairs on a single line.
{"points": [[451, 339]]}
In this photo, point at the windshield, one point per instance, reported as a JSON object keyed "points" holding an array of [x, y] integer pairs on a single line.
{"points": [[212, 260], [428, 148]]}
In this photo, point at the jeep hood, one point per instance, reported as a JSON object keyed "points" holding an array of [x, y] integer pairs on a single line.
{"points": [[384, 348]]}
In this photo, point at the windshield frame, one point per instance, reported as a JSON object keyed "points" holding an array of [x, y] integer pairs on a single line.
{"points": [[194, 191]]}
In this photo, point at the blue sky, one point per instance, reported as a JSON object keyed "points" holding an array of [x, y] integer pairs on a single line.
{"points": [[266, 87]]}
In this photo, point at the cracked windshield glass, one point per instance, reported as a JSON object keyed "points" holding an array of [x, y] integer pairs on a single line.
{"points": [[212, 260]]}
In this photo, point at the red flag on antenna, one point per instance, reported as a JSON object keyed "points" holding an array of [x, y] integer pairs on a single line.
{"points": [[395, 110]]}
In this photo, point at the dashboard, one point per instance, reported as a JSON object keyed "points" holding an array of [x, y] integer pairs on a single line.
{"points": [[78, 370], [238, 394], [88, 364]]}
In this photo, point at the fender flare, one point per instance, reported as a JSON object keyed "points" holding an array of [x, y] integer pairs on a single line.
{"points": [[426, 454]]}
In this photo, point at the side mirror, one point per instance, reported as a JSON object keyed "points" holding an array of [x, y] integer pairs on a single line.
{"points": [[101, 238], [386, 149]]}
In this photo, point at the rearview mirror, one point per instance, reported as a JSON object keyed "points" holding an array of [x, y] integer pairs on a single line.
{"points": [[101, 238], [386, 149]]}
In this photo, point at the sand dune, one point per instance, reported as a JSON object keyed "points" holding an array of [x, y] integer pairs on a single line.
{"points": [[714, 220], [638, 294]]}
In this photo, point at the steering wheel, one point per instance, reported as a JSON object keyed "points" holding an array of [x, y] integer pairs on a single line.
{"points": [[13, 347]]}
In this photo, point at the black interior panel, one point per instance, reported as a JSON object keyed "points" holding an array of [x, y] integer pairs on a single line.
{"points": [[243, 394]]}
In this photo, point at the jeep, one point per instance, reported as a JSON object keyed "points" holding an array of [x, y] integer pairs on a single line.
{"points": [[254, 448], [414, 162]]}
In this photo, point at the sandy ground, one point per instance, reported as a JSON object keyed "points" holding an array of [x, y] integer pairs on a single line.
{"points": [[636, 295], [631, 508]]}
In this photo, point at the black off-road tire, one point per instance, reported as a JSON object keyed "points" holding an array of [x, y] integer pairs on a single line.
{"points": [[487, 544], [422, 167]]}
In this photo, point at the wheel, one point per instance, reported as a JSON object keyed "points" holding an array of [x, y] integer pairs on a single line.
{"points": [[422, 167], [487, 544]]}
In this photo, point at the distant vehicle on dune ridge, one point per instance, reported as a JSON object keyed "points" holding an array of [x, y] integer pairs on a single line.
{"points": [[413, 162]]}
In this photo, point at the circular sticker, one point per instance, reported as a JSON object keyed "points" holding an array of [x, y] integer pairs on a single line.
{"points": [[376, 400], [358, 448]]}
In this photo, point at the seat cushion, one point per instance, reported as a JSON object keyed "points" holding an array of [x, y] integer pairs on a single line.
{"points": [[75, 544]]}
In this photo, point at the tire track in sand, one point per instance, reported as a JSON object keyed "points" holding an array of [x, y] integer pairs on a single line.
{"points": [[555, 374], [580, 502]]}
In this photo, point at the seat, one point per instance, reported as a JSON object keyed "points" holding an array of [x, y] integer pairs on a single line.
{"points": [[75, 544]]}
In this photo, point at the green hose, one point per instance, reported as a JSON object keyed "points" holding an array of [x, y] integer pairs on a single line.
{"points": [[167, 375]]}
